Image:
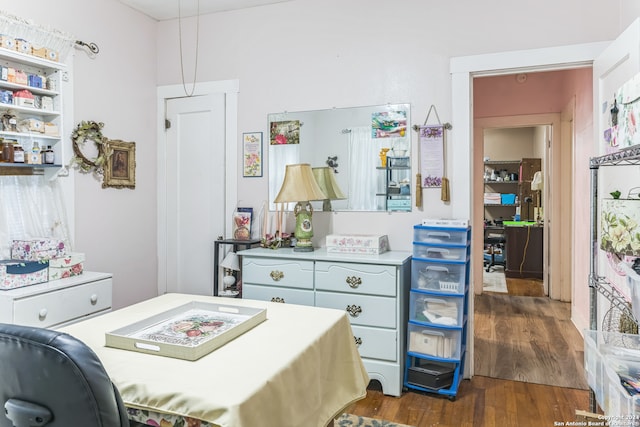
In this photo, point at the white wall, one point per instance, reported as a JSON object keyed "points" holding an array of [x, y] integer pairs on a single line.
{"points": [[304, 55], [298, 55], [509, 143], [116, 228]]}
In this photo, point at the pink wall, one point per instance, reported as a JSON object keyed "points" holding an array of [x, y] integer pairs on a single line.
{"points": [[550, 92], [542, 92]]}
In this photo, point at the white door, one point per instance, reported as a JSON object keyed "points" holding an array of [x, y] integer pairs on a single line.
{"points": [[195, 191], [617, 65]]}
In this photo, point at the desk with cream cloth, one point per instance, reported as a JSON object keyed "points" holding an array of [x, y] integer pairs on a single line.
{"points": [[300, 367]]}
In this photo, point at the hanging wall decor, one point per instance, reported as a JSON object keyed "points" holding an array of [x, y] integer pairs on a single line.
{"points": [[388, 124], [431, 149], [120, 167], [252, 154], [285, 132], [431, 161], [623, 117], [91, 132]]}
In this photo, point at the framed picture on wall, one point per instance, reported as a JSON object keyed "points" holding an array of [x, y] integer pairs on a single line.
{"points": [[120, 167], [252, 154]]}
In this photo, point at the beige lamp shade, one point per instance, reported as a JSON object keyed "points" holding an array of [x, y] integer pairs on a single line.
{"points": [[299, 185], [328, 184]]}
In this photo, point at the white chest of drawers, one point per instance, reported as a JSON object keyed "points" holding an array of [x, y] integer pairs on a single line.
{"points": [[57, 302], [372, 289]]}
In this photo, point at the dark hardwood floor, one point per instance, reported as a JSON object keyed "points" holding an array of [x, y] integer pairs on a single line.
{"points": [[481, 401], [525, 338]]}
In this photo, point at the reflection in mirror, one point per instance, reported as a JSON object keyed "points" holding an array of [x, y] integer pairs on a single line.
{"points": [[348, 142]]}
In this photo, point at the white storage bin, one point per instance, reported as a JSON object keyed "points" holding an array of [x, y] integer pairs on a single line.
{"points": [[606, 355], [443, 343], [617, 400], [441, 235], [435, 309], [593, 368], [449, 253], [438, 276]]}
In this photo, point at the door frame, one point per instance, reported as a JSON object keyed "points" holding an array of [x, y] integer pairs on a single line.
{"points": [[463, 70], [231, 89]]}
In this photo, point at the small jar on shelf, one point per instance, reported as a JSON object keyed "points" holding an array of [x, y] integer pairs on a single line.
{"points": [[18, 154]]}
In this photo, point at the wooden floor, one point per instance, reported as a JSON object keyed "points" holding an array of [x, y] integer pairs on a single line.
{"points": [[541, 342], [527, 338], [481, 402]]}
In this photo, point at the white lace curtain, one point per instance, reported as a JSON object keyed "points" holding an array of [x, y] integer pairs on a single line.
{"points": [[30, 207]]}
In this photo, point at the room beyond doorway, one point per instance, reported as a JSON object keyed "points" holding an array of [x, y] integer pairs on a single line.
{"points": [[514, 219]]}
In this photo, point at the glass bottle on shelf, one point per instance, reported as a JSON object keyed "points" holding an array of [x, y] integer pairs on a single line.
{"points": [[48, 156], [7, 151], [18, 154]]}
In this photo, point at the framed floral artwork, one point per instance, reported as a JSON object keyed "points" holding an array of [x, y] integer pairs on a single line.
{"points": [[252, 154], [284, 132]]}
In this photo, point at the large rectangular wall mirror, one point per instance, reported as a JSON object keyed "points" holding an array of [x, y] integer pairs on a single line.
{"points": [[349, 142]]}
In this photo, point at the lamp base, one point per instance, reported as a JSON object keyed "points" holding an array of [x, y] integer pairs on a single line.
{"points": [[303, 245]]}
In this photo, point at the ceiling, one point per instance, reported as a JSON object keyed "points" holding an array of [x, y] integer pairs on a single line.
{"points": [[161, 10]]}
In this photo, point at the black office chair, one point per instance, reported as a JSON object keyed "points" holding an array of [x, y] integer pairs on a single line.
{"points": [[48, 378]]}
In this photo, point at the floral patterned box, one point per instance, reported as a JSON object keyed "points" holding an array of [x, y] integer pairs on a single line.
{"points": [[37, 249], [72, 264], [357, 244], [19, 273]]}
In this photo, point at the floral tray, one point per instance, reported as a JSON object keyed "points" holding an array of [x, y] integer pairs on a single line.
{"points": [[189, 331]]}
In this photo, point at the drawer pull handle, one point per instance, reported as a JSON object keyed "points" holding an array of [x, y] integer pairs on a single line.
{"points": [[354, 310], [93, 299], [353, 281], [276, 275], [358, 341], [278, 299], [42, 314]]}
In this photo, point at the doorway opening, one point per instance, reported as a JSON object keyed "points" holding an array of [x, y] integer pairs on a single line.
{"points": [[528, 137]]}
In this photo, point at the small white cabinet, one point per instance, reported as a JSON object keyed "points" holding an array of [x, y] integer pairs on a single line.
{"points": [[57, 303], [372, 289]]}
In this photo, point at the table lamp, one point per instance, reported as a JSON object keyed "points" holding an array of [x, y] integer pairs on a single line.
{"points": [[300, 186], [230, 263], [537, 184], [328, 185]]}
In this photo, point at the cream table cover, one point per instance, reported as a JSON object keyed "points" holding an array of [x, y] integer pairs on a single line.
{"points": [[300, 367]]}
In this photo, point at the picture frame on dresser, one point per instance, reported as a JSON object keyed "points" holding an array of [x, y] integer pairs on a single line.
{"points": [[120, 167]]}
